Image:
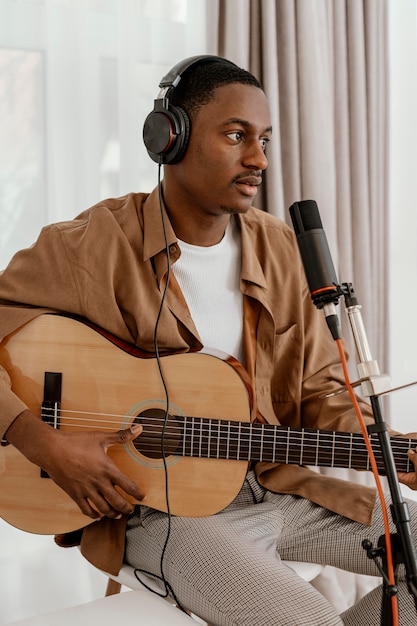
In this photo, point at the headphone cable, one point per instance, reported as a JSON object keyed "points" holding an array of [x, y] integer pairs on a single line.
{"points": [[137, 571]]}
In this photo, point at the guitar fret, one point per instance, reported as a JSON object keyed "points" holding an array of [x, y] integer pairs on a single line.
{"points": [[317, 447], [201, 439], [410, 466], [209, 440], [333, 449], [238, 441], [248, 442], [350, 450], [302, 446], [262, 442], [288, 446], [274, 446], [184, 439]]}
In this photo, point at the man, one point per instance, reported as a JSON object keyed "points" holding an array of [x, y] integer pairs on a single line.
{"points": [[196, 266]]}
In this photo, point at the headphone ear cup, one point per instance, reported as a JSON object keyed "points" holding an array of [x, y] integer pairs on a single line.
{"points": [[166, 132], [167, 129], [179, 147]]}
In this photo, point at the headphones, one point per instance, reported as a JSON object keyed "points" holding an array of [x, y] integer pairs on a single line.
{"points": [[166, 130]]}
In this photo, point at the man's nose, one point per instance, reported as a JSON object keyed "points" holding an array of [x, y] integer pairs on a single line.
{"points": [[255, 156]]}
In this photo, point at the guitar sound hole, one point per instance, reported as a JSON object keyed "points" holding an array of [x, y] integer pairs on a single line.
{"points": [[149, 442]]}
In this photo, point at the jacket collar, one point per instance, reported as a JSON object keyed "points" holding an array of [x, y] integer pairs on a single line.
{"points": [[252, 272], [154, 244], [153, 229], [155, 238]]}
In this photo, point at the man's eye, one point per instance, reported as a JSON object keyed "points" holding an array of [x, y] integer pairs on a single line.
{"points": [[236, 136], [265, 141]]}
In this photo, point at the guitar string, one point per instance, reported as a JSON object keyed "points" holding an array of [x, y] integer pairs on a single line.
{"points": [[206, 423], [204, 432]]}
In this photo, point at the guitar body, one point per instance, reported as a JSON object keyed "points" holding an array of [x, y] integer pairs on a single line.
{"points": [[109, 386]]}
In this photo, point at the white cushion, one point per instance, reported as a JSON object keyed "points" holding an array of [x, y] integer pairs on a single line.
{"points": [[129, 607], [308, 571]]}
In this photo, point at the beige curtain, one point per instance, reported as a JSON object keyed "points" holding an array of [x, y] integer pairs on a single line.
{"points": [[323, 65]]}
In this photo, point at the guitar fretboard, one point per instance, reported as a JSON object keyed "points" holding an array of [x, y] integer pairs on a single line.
{"points": [[225, 439]]}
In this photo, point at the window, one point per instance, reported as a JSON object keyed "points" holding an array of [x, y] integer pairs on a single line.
{"points": [[77, 81]]}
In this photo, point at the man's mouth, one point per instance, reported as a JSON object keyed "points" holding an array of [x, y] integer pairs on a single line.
{"points": [[249, 184]]}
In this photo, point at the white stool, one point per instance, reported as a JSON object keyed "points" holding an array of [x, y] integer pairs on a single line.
{"points": [[138, 607], [308, 571]]}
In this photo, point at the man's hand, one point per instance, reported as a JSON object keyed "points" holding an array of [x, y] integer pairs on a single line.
{"points": [[410, 478], [78, 463]]}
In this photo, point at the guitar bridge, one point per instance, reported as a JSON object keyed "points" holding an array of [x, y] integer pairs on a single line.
{"points": [[51, 404]]}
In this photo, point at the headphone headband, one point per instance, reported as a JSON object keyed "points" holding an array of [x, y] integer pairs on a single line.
{"points": [[175, 73], [166, 129]]}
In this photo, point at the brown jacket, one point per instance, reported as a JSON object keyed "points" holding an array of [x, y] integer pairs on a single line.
{"points": [[109, 265]]}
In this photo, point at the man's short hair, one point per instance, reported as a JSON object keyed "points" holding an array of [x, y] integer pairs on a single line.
{"points": [[199, 83]]}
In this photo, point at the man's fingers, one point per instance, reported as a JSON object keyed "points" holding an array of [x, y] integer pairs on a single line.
{"points": [[124, 487], [114, 508], [413, 457], [122, 436], [135, 430], [108, 491], [87, 509], [110, 499], [120, 479]]}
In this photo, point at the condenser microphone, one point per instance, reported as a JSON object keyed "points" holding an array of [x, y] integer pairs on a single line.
{"points": [[317, 261]]}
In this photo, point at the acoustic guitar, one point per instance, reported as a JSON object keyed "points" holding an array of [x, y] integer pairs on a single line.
{"points": [[77, 377]]}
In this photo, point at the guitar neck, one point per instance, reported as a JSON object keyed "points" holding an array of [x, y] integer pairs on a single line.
{"points": [[225, 439]]}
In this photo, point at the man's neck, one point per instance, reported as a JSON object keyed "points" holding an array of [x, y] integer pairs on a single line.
{"points": [[192, 224]]}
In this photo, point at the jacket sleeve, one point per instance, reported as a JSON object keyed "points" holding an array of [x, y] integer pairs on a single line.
{"points": [[42, 275], [10, 405], [39, 276]]}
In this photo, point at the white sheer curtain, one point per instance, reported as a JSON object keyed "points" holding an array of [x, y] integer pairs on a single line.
{"points": [[77, 79]]}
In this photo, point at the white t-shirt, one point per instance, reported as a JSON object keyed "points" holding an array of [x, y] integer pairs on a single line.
{"points": [[210, 281]]}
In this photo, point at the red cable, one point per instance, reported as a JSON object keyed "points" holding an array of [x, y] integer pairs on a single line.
{"points": [[390, 566]]}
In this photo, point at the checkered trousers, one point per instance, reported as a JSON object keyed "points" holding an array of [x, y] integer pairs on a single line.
{"points": [[228, 568]]}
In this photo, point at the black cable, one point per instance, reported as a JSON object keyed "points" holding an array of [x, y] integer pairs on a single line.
{"points": [[137, 571]]}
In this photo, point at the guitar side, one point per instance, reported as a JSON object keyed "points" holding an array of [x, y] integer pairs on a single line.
{"points": [[106, 387]]}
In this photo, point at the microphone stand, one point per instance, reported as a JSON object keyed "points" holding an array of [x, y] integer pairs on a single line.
{"points": [[373, 385], [325, 292]]}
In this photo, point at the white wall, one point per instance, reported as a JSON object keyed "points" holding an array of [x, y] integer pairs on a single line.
{"points": [[403, 211], [402, 252]]}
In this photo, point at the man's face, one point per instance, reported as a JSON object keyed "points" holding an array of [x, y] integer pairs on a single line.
{"points": [[222, 167]]}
